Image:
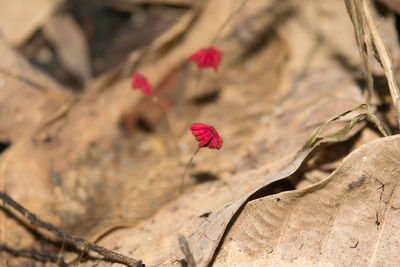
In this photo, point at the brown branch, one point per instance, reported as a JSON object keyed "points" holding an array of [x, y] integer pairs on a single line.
{"points": [[33, 254], [77, 241]]}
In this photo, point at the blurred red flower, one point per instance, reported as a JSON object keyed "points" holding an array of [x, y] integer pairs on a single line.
{"points": [[140, 82], [206, 135], [207, 57]]}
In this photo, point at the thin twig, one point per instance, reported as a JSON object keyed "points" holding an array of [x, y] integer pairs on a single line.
{"points": [[33, 254], [77, 241], [385, 61], [60, 257], [80, 257], [377, 123]]}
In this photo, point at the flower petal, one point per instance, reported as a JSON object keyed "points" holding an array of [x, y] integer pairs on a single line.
{"points": [[206, 135], [140, 82], [207, 57]]}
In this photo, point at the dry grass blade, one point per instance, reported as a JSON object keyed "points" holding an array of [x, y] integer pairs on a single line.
{"points": [[343, 131], [354, 9], [384, 59]]}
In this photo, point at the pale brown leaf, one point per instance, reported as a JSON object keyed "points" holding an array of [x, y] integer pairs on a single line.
{"points": [[20, 18], [67, 37], [347, 219]]}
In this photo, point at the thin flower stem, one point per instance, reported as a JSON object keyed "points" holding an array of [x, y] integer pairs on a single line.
{"points": [[164, 112], [199, 82], [199, 86], [186, 169], [227, 20], [217, 34]]}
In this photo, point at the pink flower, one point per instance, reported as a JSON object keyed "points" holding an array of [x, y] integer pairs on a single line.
{"points": [[207, 57], [206, 135], [140, 82]]}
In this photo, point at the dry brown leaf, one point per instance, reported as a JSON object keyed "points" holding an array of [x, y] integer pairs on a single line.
{"points": [[174, 218], [28, 97], [70, 44], [20, 18], [347, 219], [29, 100], [314, 99]]}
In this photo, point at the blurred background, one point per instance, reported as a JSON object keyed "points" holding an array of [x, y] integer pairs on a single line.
{"points": [[82, 150], [74, 40]]}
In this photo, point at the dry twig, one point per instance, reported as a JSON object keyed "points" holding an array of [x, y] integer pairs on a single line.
{"points": [[77, 241], [356, 16], [360, 16], [384, 59], [31, 253]]}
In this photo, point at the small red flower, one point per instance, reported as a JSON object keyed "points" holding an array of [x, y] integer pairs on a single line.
{"points": [[207, 57], [140, 82], [206, 135]]}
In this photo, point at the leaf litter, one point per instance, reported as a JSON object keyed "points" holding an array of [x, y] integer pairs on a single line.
{"points": [[105, 191]]}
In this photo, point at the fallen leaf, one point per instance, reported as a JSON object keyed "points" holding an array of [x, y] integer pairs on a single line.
{"points": [[20, 18], [69, 42], [28, 97], [348, 218]]}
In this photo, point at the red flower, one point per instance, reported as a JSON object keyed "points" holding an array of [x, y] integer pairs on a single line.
{"points": [[140, 82], [206, 135], [207, 57]]}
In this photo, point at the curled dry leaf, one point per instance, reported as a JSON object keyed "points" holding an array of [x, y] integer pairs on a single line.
{"points": [[347, 219]]}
